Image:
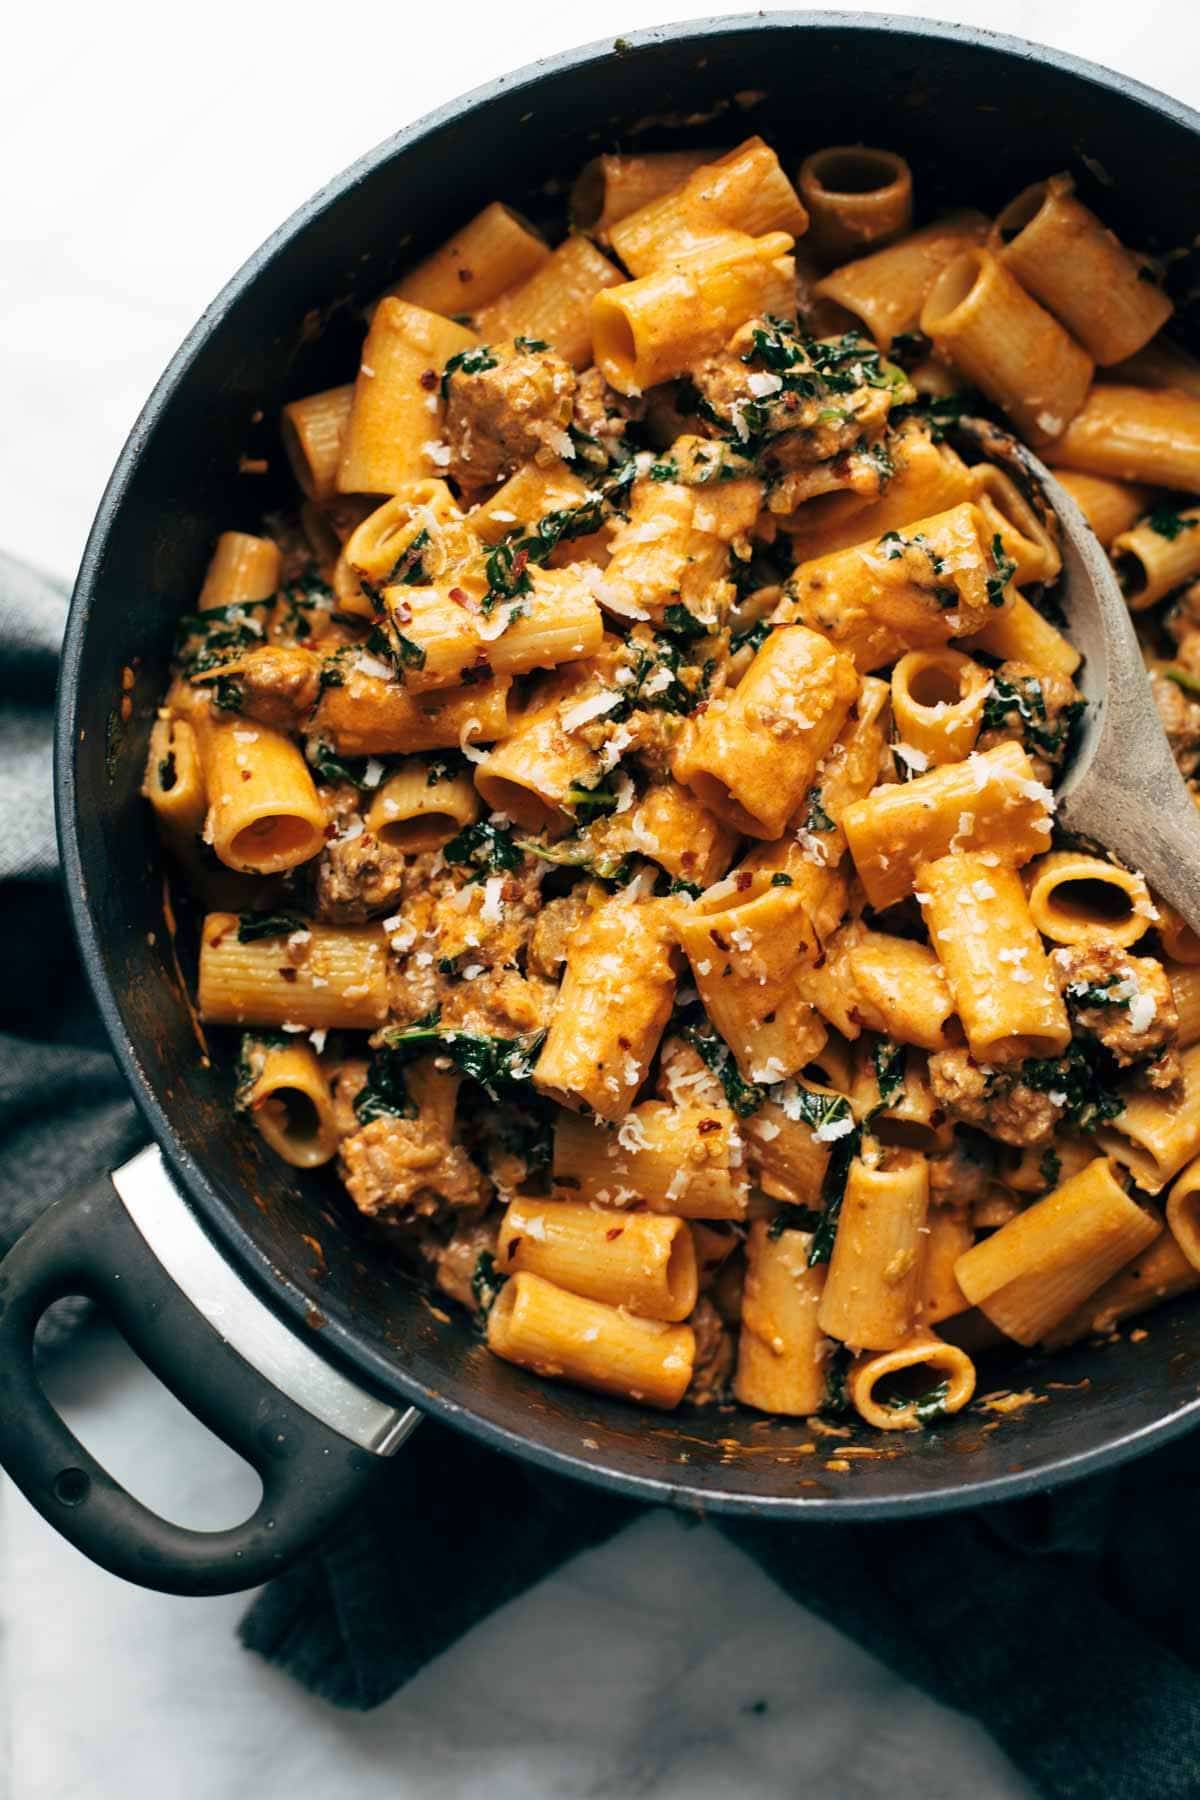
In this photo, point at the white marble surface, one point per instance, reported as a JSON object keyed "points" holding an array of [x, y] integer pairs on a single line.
{"points": [[145, 155]]}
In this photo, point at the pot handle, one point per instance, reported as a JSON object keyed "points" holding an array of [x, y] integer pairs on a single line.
{"points": [[132, 1243]]}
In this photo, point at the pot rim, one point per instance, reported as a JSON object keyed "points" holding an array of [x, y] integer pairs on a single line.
{"points": [[338, 1340]]}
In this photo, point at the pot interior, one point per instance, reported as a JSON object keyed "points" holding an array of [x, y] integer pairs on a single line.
{"points": [[978, 120]]}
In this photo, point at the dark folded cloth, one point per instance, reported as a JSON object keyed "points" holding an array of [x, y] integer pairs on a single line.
{"points": [[1068, 1625]]}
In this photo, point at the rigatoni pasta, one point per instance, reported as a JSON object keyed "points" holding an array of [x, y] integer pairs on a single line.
{"points": [[620, 797]]}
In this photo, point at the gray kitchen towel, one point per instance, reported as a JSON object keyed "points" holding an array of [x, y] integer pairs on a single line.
{"points": [[1068, 1624], [64, 1110]]}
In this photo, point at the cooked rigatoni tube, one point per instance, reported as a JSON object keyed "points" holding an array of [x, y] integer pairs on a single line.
{"points": [[674, 549], [949, 1234], [673, 829], [174, 781], [907, 590], [566, 1337], [991, 802], [785, 1158], [929, 479], [1178, 939], [1185, 991], [851, 768], [1159, 1274], [612, 1008], [409, 538], [242, 568], [857, 199], [421, 808], [264, 812], [1135, 434], [901, 990], [439, 639], [894, 1096], [937, 702], [493, 252], [368, 713], [314, 432], [874, 1282], [296, 973], [744, 191], [286, 1092], [887, 289], [643, 1261], [1161, 364], [555, 303], [663, 324], [1151, 563], [611, 187], [980, 317], [1183, 1213], [687, 1160], [1058, 250], [543, 766], [748, 948], [1021, 634], [1004, 989], [1027, 542], [1110, 507], [395, 416], [1079, 899], [782, 1352], [947, 1372], [1039, 1267], [1156, 1134], [752, 755]]}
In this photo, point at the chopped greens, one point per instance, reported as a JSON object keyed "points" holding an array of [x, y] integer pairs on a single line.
{"points": [[485, 1281], [494, 1062], [253, 926], [927, 1406], [571, 853], [815, 816], [1169, 523], [484, 848], [1006, 568], [475, 361], [588, 803], [1082, 1082], [889, 1061], [1025, 698]]}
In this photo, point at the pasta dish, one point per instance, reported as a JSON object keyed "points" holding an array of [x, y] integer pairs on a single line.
{"points": [[619, 796]]}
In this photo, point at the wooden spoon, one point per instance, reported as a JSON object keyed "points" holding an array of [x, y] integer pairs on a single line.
{"points": [[1123, 788]]}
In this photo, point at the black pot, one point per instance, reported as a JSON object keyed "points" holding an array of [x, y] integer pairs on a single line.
{"points": [[251, 1290]]}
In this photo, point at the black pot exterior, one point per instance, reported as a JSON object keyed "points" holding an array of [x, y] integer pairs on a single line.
{"points": [[979, 116]]}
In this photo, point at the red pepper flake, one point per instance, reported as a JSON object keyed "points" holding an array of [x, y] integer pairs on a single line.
{"points": [[718, 940], [246, 774], [707, 1125], [460, 597], [744, 880], [519, 564], [624, 1042], [429, 380], [616, 1232], [465, 274], [126, 708], [286, 974]]}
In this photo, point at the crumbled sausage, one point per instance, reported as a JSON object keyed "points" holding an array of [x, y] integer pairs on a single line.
{"points": [[1124, 1002], [714, 1355], [1180, 716], [455, 1263], [1043, 708], [510, 412], [397, 1170], [358, 878], [1000, 1104], [277, 685]]}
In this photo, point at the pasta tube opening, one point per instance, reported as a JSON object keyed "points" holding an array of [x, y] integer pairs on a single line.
{"points": [[903, 1388], [1076, 899], [857, 198]]}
